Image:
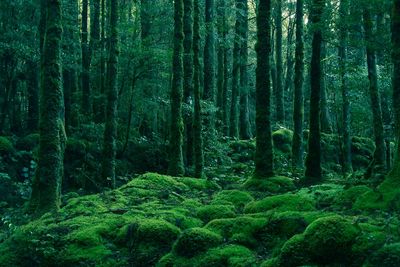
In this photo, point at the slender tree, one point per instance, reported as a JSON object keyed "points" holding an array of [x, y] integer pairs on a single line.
{"points": [[209, 58], [188, 78], [197, 122], [280, 113], [379, 160], [396, 82], [110, 131], [264, 158], [313, 161], [46, 189], [346, 143], [221, 48], [234, 117], [85, 76], [298, 109], [176, 165], [245, 129]]}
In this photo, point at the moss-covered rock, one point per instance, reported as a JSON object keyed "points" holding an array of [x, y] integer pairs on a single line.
{"points": [[282, 140], [294, 252], [211, 212], [149, 240], [235, 197], [230, 255], [325, 195], [388, 256], [347, 198], [275, 185], [285, 202], [243, 230], [196, 240]]}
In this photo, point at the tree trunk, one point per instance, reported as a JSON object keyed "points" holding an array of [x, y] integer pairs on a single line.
{"points": [[264, 157], [188, 79], [280, 113], [347, 163], [176, 165], [110, 131], [380, 152], [47, 197], [298, 108], [245, 131], [197, 123], [313, 161], [395, 173], [234, 120], [85, 77], [326, 126], [33, 96]]}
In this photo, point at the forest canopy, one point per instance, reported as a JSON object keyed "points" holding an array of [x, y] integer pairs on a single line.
{"points": [[199, 133]]}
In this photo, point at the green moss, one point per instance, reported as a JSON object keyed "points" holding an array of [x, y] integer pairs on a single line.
{"points": [[276, 184], [388, 256], [347, 198], [230, 255], [294, 252], [6, 146], [386, 197], [240, 230], [196, 240], [235, 197], [324, 194], [331, 234], [283, 140], [272, 262], [284, 202], [211, 212]]}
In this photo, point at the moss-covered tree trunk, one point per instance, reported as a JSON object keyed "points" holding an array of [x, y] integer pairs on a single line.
{"points": [[346, 115], [220, 71], [264, 157], [379, 160], [188, 79], [85, 75], [225, 93], [313, 161], [395, 173], [298, 107], [176, 165], [280, 113], [94, 42], [245, 129], [46, 190], [326, 125], [197, 122], [33, 96], [209, 60], [110, 131], [103, 47], [234, 115]]}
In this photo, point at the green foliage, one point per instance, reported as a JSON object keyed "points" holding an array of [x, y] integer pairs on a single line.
{"points": [[389, 256], [235, 197], [285, 202], [196, 240], [6, 146], [28, 142]]}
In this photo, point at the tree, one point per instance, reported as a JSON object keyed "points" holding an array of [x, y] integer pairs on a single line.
{"points": [[110, 131], [346, 143], [188, 78], [85, 76], [234, 118], [46, 189], [313, 161], [280, 113], [396, 81], [209, 58], [176, 165], [264, 158], [379, 160], [197, 123], [298, 109], [245, 129]]}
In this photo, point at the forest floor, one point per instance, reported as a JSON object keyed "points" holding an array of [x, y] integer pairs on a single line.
{"points": [[229, 220]]}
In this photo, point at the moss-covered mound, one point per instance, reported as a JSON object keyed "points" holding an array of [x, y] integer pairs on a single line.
{"points": [[285, 202]]}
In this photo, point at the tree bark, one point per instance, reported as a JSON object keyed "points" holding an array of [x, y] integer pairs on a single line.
{"points": [[264, 157]]}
